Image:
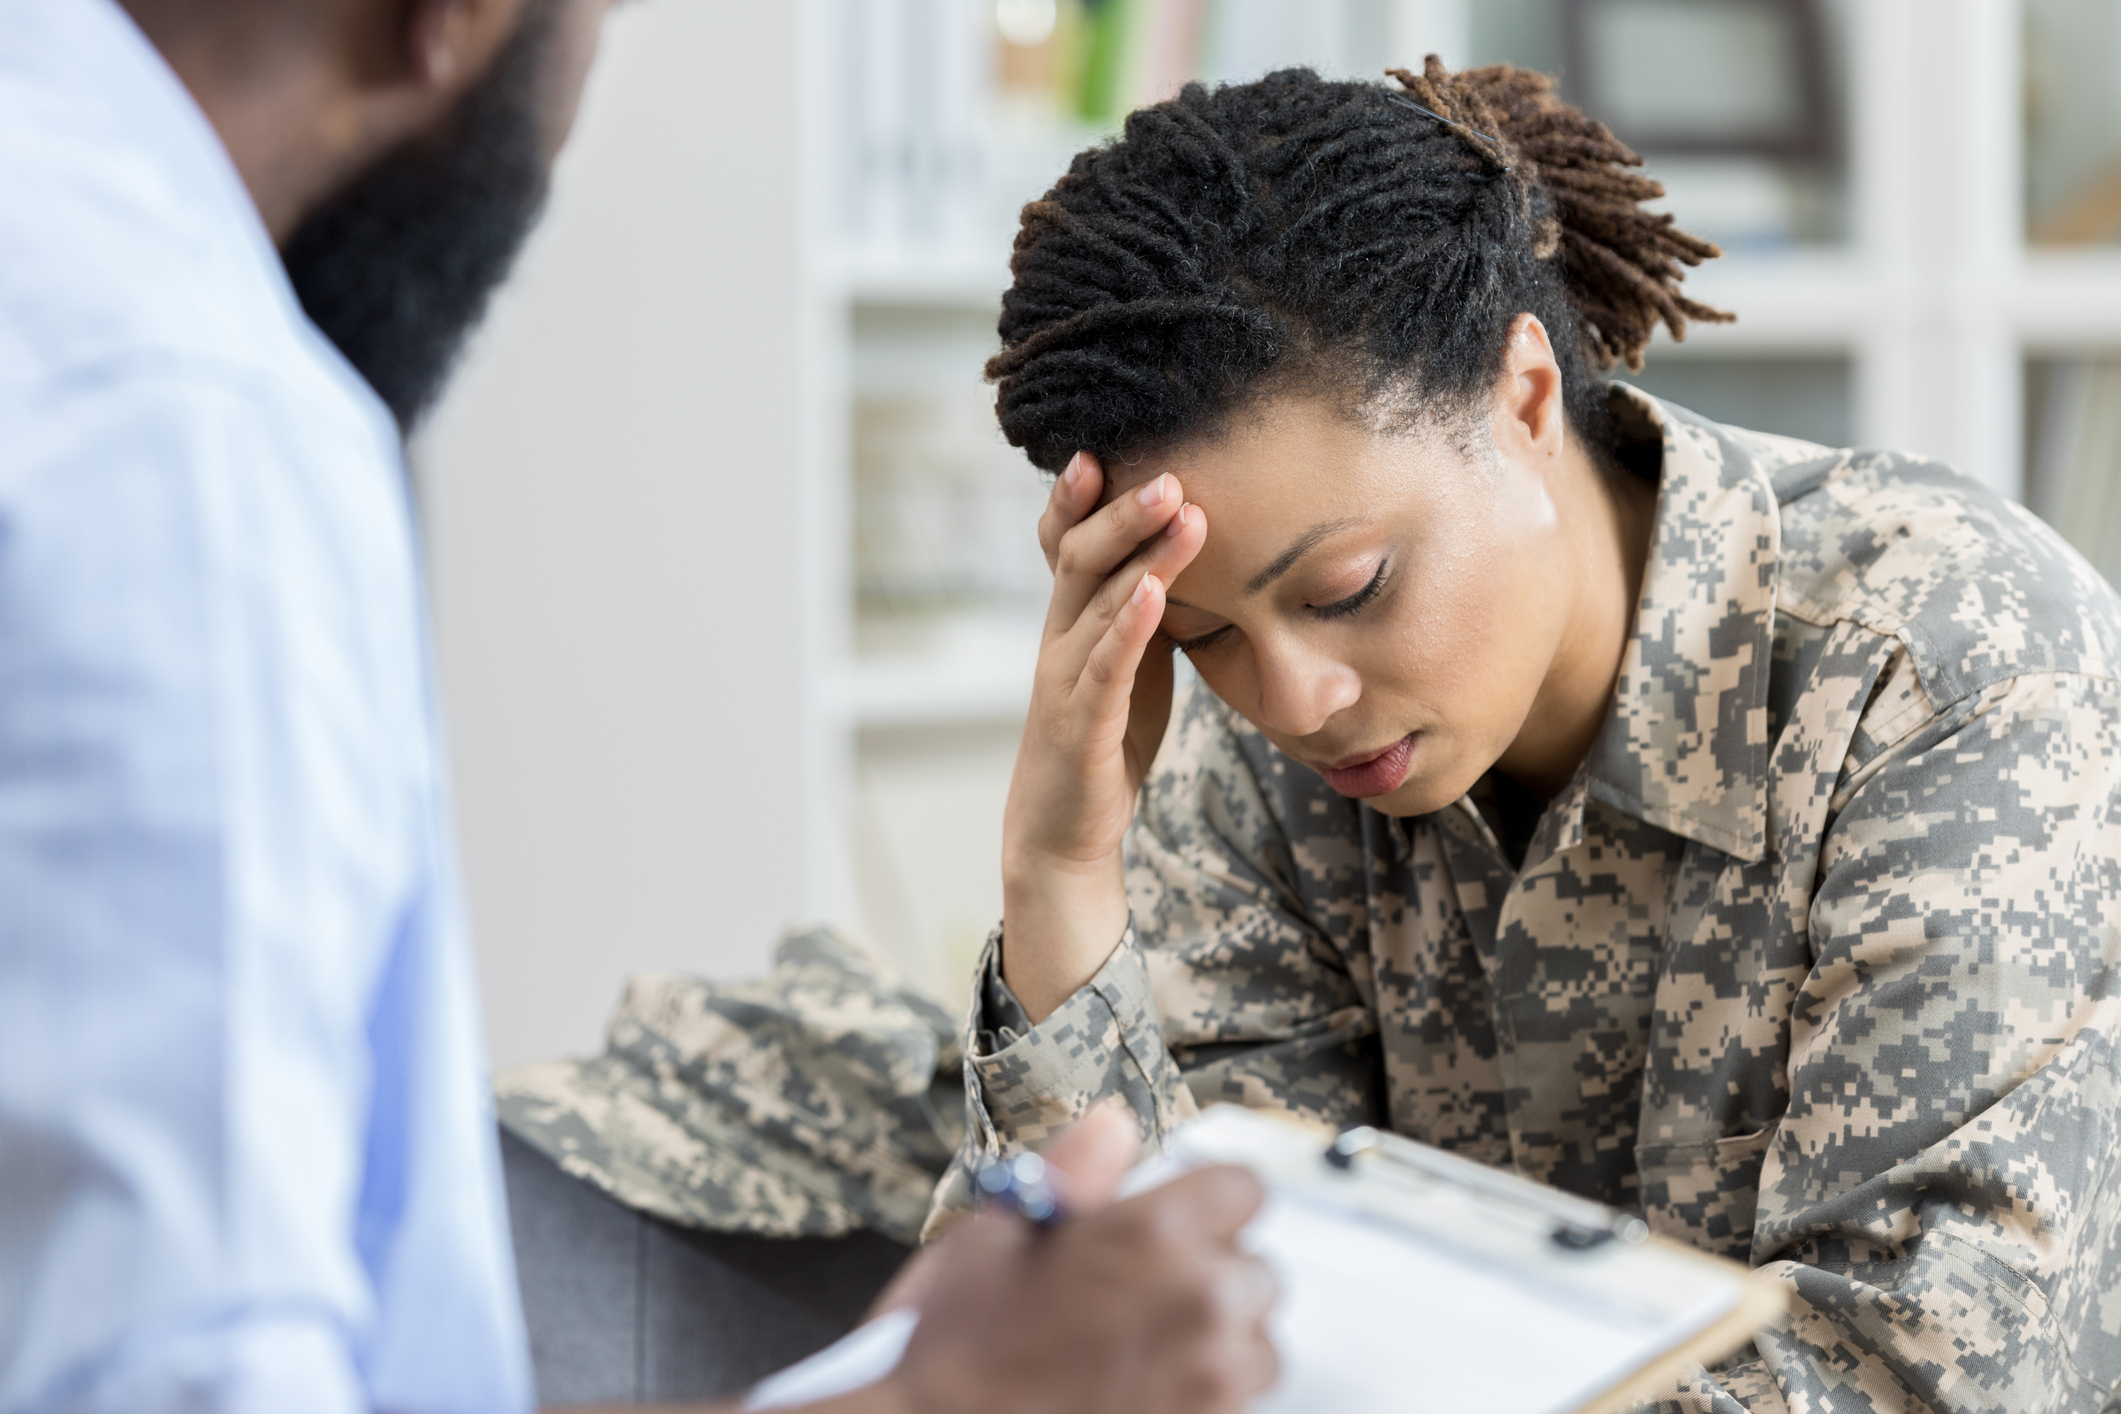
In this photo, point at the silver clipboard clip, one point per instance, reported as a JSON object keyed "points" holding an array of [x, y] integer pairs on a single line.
{"points": [[1578, 1223]]}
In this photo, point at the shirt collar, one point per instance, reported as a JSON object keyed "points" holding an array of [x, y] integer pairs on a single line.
{"points": [[1685, 746], [93, 51], [104, 51]]}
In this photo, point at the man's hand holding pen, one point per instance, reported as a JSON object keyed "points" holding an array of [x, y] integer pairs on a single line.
{"points": [[1146, 1304]]}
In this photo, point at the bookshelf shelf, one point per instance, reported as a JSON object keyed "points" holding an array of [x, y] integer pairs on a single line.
{"points": [[1805, 301], [968, 281], [941, 687], [2068, 300]]}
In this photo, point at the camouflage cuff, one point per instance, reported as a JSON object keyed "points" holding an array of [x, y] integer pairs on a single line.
{"points": [[1027, 1083], [1001, 1020]]}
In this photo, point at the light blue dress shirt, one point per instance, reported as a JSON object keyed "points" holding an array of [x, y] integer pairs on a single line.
{"points": [[246, 1152]]}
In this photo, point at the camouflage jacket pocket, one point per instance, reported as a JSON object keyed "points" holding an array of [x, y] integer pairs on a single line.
{"points": [[1705, 1192]]}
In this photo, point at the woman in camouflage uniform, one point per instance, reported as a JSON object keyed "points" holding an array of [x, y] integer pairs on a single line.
{"points": [[1708, 823]]}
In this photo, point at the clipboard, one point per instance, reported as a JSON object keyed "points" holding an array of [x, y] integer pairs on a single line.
{"points": [[1414, 1280]]}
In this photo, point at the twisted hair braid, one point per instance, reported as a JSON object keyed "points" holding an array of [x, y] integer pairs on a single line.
{"points": [[1299, 233]]}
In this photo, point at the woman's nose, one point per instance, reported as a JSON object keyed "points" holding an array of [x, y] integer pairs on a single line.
{"points": [[1300, 692]]}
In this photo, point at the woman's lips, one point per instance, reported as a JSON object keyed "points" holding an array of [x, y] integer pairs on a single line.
{"points": [[1375, 775]]}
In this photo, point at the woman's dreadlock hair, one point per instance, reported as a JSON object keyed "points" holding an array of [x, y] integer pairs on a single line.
{"points": [[1299, 233]]}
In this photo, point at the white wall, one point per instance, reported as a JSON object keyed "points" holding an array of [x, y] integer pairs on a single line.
{"points": [[616, 543]]}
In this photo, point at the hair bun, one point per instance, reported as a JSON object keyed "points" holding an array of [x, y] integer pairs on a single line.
{"points": [[1621, 265]]}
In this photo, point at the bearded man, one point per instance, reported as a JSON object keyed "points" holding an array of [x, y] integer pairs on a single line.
{"points": [[247, 1159]]}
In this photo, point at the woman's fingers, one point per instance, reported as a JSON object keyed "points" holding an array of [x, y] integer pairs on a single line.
{"points": [[1103, 689], [1091, 550], [1164, 556], [1074, 495]]}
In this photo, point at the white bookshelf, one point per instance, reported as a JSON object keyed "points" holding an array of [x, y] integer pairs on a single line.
{"points": [[1933, 304]]}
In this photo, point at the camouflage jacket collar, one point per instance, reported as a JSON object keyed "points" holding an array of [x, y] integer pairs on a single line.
{"points": [[1686, 745]]}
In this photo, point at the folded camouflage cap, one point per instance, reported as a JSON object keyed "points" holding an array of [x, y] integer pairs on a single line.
{"points": [[823, 1098]]}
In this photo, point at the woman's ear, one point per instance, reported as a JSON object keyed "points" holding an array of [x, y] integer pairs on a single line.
{"points": [[1531, 420]]}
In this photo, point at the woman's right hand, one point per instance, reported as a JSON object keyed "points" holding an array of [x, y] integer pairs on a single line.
{"points": [[1099, 704]]}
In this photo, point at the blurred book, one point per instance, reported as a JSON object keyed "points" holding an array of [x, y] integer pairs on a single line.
{"points": [[2072, 122], [956, 112], [1099, 60], [2073, 418]]}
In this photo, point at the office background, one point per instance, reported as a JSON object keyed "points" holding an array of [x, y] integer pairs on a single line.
{"points": [[736, 587]]}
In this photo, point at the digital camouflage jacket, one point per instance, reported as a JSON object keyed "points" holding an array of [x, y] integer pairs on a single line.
{"points": [[1814, 964]]}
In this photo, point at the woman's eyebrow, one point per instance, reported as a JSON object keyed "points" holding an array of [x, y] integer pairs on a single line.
{"points": [[1286, 560]]}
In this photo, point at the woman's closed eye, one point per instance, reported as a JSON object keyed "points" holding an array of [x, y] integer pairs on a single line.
{"points": [[1339, 609], [1203, 640], [1358, 601]]}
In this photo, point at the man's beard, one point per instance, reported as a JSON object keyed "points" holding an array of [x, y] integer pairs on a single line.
{"points": [[397, 268]]}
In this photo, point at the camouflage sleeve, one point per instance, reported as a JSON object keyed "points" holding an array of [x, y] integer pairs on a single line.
{"points": [[1943, 1195], [1222, 989], [1026, 1083]]}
